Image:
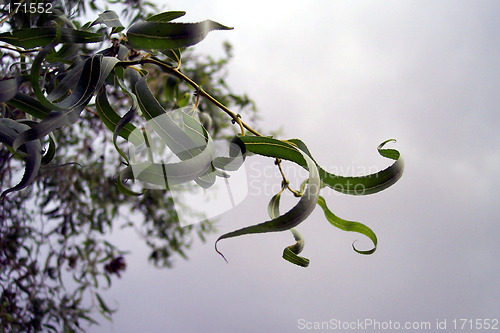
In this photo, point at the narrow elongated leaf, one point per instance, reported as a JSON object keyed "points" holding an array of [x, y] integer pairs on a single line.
{"points": [[167, 174], [9, 130], [94, 72], [172, 135], [8, 89], [290, 253], [362, 185], [165, 16], [29, 38], [68, 83], [300, 211], [53, 121], [51, 151], [237, 154], [168, 36], [111, 118], [125, 120], [29, 105], [349, 226], [108, 18]]}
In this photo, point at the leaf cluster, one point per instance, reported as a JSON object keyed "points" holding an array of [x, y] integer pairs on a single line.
{"points": [[72, 97]]}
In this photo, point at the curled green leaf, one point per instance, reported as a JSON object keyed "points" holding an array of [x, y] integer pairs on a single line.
{"points": [[299, 212], [349, 226], [9, 130], [363, 185], [290, 253], [111, 118], [94, 72]]}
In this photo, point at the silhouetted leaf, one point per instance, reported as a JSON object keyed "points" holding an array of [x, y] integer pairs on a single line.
{"points": [[9, 130], [168, 36], [301, 210], [29, 105], [29, 38], [165, 16]]}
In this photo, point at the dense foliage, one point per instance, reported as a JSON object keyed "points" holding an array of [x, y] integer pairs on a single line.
{"points": [[73, 96]]}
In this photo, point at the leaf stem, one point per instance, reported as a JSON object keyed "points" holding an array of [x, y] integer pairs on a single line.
{"points": [[176, 72]]}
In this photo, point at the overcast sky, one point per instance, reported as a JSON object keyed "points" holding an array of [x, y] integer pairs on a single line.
{"points": [[344, 76]]}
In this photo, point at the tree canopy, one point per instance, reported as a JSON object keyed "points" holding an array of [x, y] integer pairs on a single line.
{"points": [[74, 96]]}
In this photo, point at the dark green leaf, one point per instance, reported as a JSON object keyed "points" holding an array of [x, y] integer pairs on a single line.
{"points": [[349, 226], [349, 185], [94, 72], [29, 105], [51, 151], [165, 16], [291, 252], [111, 118], [363, 185], [301, 210], [9, 130], [168, 36], [124, 121], [35, 37]]}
